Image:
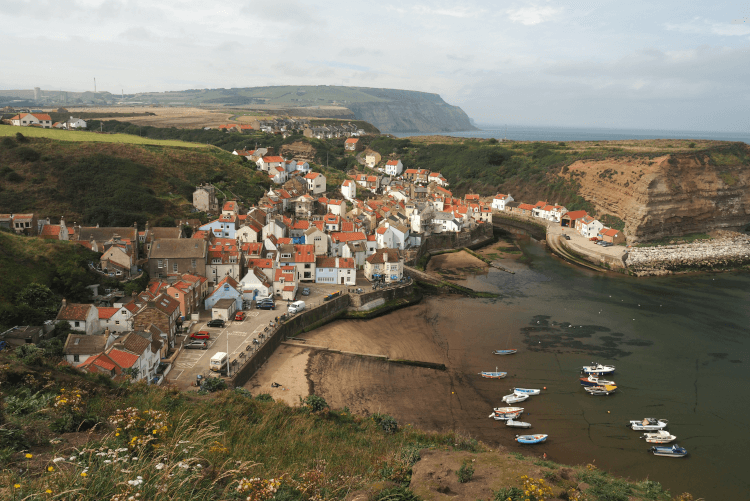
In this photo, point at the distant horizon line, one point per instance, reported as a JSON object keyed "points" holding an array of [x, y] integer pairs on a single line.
{"points": [[489, 127]]}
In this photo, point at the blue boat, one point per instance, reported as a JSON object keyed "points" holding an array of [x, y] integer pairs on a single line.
{"points": [[504, 352], [493, 375], [530, 439], [673, 452]]}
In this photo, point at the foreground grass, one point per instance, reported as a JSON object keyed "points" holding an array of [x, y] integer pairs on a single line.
{"points": [[92, 137]]}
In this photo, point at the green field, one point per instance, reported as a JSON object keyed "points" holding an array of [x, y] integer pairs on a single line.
{"points": [[91, 137]]}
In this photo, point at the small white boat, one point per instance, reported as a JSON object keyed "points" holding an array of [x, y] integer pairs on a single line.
{"points": [[505, 413], [648, 424], [517, 424], [673, 452], [607, 389], [514, 399], [660, 437], [526, 391], [493, 375], [598, 369]]}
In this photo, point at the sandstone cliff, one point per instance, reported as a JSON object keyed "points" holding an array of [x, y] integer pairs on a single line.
{"points": [[673, 194]]}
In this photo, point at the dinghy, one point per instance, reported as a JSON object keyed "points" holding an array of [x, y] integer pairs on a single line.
{"points": [[526, 391], [659, 437], [505, 413], [606, 389], [517, 424], [530, 439], [673, 452], [595, 381], [648, 424], [493, 375], [598, 369], [514, 399], [504, 352]]}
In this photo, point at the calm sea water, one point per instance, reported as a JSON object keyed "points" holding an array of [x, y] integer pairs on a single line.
{"points": [[530, 133], [681, 346]]}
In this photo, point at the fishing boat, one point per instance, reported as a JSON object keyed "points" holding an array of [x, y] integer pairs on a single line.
{"points": [[493, 375], [514, 398], [530, 439], [517, 424], [595, 381], [648, 424], [673, 452], [505, 413], [606, 389], [660, 437], [505, 352], [526, 391], [598, 369]]}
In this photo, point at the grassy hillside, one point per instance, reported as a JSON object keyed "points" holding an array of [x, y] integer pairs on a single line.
{"points": [[116, 184], [69, 436], [86, 136]]}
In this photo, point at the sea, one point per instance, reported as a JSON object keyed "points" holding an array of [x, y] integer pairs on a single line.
{"points": [[537, 133]]}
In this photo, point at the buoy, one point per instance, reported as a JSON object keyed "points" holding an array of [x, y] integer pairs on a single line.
{"points": [[545, 387], [453, 393], [607, 412]]}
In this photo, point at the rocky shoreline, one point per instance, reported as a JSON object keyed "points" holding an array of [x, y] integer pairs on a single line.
{"points": [[718, 254]]}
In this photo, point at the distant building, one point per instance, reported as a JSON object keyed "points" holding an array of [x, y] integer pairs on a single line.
{"points": [[32, 119], [204, 198]]}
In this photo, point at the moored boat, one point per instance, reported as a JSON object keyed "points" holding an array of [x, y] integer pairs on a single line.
{"points": [[595, 381], [673, 452], [648, 424], [493, 375], [606, 389], [517, 424], [659, 437], [598, 369], [505, 413], [514, 398], [505, 352], [526, 391], [530, 439]]}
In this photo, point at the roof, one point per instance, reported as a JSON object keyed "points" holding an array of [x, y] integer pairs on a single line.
{"points": [[101, 360], [166, 303], [134, 343], [392, 162], [82, 344], [123, 358], [352, 140], [311, 175], [281, 274], [107, 312], [304, 253], [525, 206], [379, 256], [50, 230], [273, 159], [334, 262], [74, 311], [576, 214], [38, 116], [178, 248], [610, 232], [347, 236]]}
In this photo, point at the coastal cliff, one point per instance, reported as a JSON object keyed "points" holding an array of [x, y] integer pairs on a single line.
{"points": [[670, 195]]}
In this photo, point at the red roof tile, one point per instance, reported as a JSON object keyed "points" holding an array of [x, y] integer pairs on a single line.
{"points": [[105, 313], [122, 358]]}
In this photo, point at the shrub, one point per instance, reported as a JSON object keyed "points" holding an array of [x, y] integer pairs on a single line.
{"points": [[27, 154], [9, 143], [26, 403], [14, 177], [21, 138], [13, 439], [512, 493], [465, 472], [396, 494], [691, 145], [264, 397], [315, 403], [213, 384], [30, 354], [386, 422]]}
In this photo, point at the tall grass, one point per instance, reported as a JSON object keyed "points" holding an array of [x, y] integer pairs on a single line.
{"points": [[85, 136]]}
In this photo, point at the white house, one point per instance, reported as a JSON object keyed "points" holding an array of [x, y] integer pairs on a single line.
{"points": [[371, 159], [316, 183], [75, 123], [349, 189], [498, 203], [335, 270], [400, 235], [285, 283], [269, 162], [27, 119], [436, 177], [114, 319], [255, 284], [278, 175], [385, 265], [318, 239], [337, 207], [394, 167], [384, 237], [588, 227], [81, 317], [443, 222]]}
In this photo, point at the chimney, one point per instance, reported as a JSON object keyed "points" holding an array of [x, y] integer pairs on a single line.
{"points": [[385, 256], [106, 333], [64, 303]]}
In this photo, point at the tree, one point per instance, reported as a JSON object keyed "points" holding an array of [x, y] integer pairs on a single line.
{"points": [[69, 281], [36, 296]]}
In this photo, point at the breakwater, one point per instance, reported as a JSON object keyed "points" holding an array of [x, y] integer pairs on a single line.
{"points": [[720, 253]]}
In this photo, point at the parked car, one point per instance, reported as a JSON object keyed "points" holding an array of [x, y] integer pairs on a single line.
{"points": [[266, 305], [567, 237], [197, 345], [200, 335], [216, 322], [239, 316], [306, 291]]}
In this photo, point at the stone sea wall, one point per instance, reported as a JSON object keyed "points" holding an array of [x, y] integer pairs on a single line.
{"points": [[727, 252]]}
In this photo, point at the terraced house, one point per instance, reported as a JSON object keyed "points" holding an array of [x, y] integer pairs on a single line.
{"points": [[173, 256]]}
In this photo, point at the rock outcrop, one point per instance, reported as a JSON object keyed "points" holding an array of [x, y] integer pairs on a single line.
{"points": [[728, 252], [670, 195]]}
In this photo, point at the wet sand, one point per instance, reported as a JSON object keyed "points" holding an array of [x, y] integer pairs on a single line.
{"points": [[456, 265], [287, 367]]}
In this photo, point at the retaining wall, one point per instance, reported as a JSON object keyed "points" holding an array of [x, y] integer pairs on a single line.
{"points": [[318, 315], [534, 226], [389, 294], [719, 253]]}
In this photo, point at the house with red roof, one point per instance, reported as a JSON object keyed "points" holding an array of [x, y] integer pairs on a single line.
{"points": [[588, 226], [498, 203], [384, 265], [145, 346], [224, 227], [32, 119], [393, 167], [335, 270], [525, 209], [612, 236], [223, 260], [352, 144], [337, 207], [53, 231], [163, 312], [100, 364], [316, 183], [285, 282], [81, 317], [340, 239], [569, 218], [332, 222], [436, 177], [114, 319], [269, 162]]}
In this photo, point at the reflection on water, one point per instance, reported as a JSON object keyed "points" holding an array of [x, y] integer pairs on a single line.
{"points": [[680, 345]]}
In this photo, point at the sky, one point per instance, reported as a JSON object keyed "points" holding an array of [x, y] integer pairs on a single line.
{"points": [[637, 64]]}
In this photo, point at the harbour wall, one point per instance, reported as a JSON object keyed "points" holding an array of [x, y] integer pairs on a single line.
{"points": [[721, 253]]}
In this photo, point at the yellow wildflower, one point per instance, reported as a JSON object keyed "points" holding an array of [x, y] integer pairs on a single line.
{"points": [[84, 474], [29, 456], [17, 486], [48, 491], [50, 468]]}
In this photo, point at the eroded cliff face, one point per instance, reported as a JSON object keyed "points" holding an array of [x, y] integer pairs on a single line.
{"points": [[671, 195]]}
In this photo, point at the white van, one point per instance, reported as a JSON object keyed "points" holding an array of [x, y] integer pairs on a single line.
{"points": [[296, 307], [218, 362]]}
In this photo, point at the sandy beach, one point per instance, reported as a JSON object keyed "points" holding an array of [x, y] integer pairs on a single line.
{"points": [[287, 367]]}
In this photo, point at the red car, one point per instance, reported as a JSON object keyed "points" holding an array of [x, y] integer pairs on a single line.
{"points": [[200, 335], [240, 315]]}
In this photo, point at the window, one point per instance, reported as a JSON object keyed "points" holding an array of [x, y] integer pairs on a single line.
{"points": [[77, 324], [76, 358], [174, 267], [307, 266], [177, 295], [192, 263], [117, 322], [160, 263]]}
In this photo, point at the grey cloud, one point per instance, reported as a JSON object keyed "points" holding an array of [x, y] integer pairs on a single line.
{"points": [[283, 12]]}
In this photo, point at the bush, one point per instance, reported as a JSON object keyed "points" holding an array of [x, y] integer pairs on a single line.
{"points": [[25, 403], [30, 354], [21, 138], [213, 384], [386, 422], [512, 493], [9, 143], [13, 439], [264, 397], [27, 154], [396, 494], [465, 472], [14, 177], [315, 403]]}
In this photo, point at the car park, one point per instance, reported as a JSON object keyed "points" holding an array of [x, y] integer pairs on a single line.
{"points": [[200, 335], [216, 322], [196, 345]]}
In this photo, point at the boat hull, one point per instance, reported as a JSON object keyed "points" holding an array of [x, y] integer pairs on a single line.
{"points": [[517, 424], [660, 437], [493, 375], [530, 439], [639, 426], [514, 399], [504, 352], [598, 369], [526, 391], [589, 381], [505, 413], [669, 452]]}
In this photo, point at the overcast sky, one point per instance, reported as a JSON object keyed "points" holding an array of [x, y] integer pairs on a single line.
{"points": [[602, 63]]}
